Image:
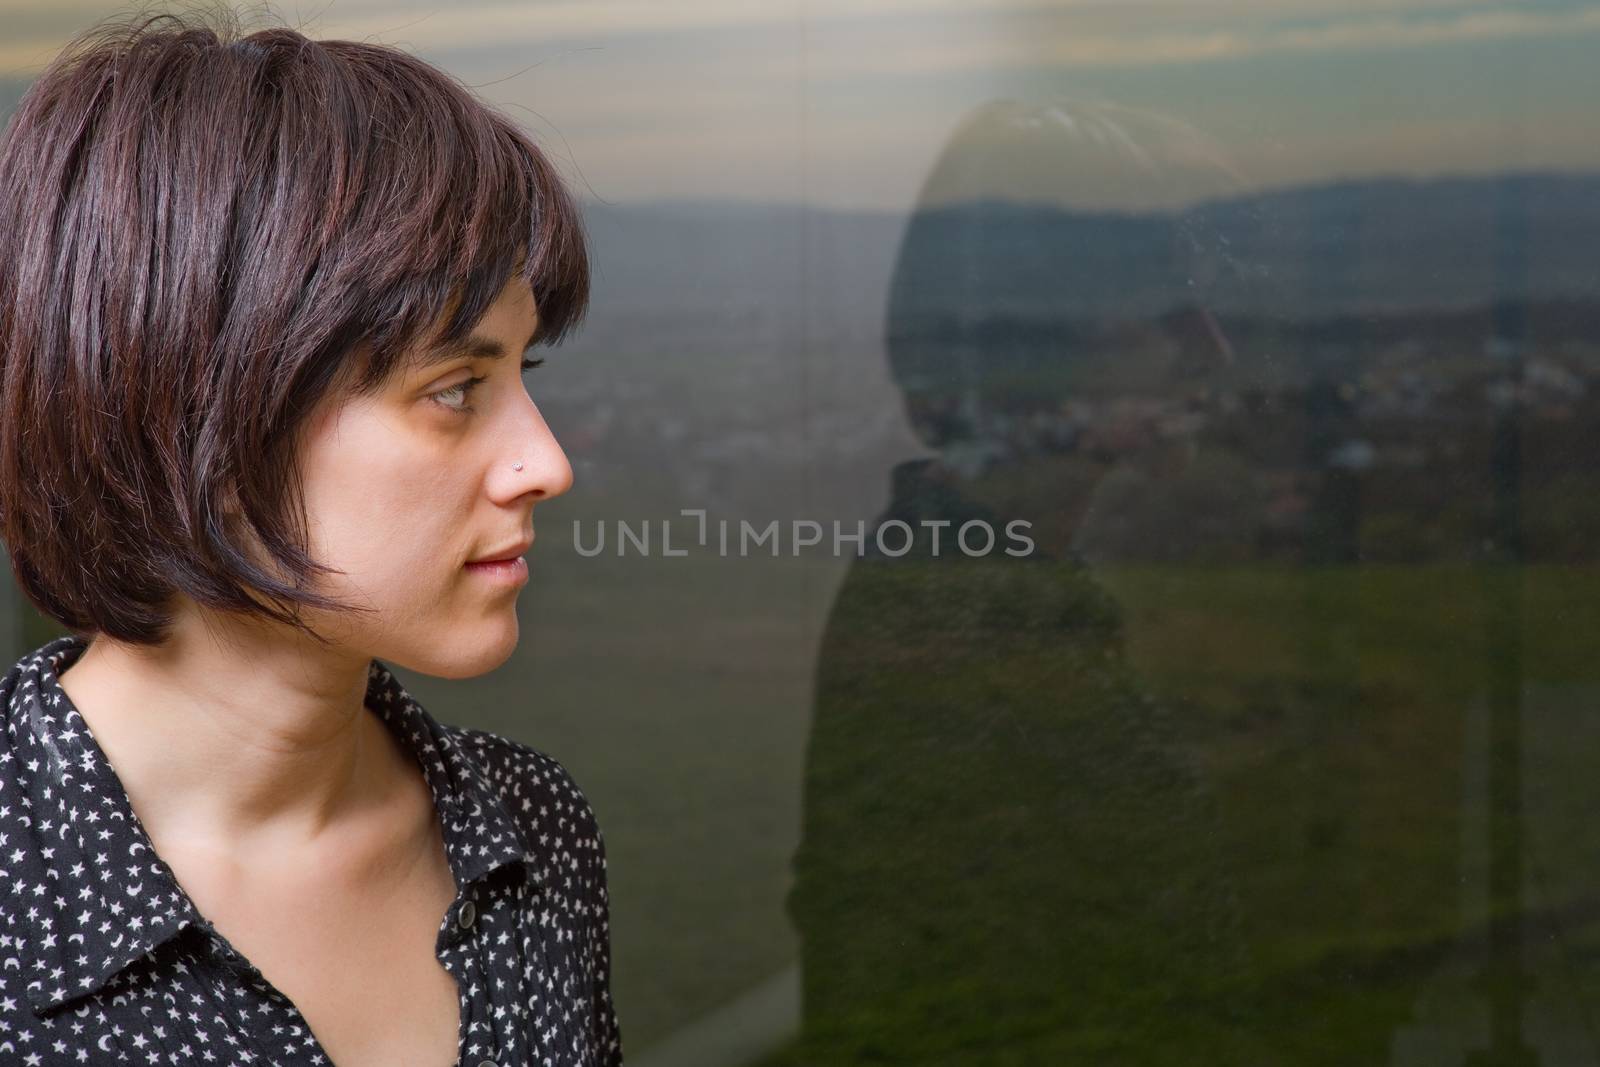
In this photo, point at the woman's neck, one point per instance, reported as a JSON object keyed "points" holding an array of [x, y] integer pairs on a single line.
{"points": [[226, 750]]}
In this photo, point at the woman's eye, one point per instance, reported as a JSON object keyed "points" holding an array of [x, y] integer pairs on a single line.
{"points": [[459, 392], [455, 397]]}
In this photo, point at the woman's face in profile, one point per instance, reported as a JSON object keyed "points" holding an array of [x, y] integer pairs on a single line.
{"points": [[404, 487]]}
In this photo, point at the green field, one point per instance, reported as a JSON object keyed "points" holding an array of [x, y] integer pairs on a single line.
{"points": [[1336, 723]]}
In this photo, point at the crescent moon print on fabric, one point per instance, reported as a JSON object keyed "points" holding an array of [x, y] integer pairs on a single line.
{"points": [[99, 944]]}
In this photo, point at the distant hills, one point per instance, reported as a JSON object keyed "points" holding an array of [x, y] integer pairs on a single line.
{"points": [[1347, 247], [1386, 245]]}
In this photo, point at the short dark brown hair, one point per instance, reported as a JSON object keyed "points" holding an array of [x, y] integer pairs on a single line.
{"points": [[203, 234]]}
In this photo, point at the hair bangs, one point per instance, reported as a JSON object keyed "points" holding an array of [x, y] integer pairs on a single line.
{"points": [[465, 201]]}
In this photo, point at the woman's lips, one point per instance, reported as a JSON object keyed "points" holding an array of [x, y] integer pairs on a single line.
{"points": [[513, 571]]}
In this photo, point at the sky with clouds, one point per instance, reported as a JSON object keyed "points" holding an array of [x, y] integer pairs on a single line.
{"points": [[848, 103]]}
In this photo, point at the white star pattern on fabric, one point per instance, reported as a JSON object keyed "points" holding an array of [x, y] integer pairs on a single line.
{"points": [[104, 959]]}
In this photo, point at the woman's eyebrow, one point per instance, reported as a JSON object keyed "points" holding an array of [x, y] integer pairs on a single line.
{"points": [[473, 345]]}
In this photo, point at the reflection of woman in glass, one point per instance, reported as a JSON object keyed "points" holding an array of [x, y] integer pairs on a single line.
{"points": [[262, 420], [1006, 857]]}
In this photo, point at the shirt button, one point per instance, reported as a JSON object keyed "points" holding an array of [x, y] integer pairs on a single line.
{"points": [[488, 1063], [466, 917]]}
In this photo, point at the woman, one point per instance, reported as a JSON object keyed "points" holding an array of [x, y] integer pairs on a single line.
{"points": [[262, 432], [1007, 854]]}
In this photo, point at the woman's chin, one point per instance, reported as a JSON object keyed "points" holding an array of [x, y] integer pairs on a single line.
{"points": [[460, 649]]}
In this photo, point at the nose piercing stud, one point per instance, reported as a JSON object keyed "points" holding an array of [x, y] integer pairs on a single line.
{"points": [[516, 466]]}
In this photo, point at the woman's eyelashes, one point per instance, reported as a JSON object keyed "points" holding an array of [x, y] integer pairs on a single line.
{"points": [[461, 390]]}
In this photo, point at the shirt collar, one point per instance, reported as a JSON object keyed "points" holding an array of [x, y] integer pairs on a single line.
{"points": [[103, 877]]}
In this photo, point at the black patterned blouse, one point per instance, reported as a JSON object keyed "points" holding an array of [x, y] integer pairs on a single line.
{"points": [[104, 959]]}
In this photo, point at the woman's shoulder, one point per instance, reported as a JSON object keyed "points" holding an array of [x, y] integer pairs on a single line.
{"points": [[535, 787], [532, 786]]}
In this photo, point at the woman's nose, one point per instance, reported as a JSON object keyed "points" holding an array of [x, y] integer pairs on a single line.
{"points": [[546, 471]]}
